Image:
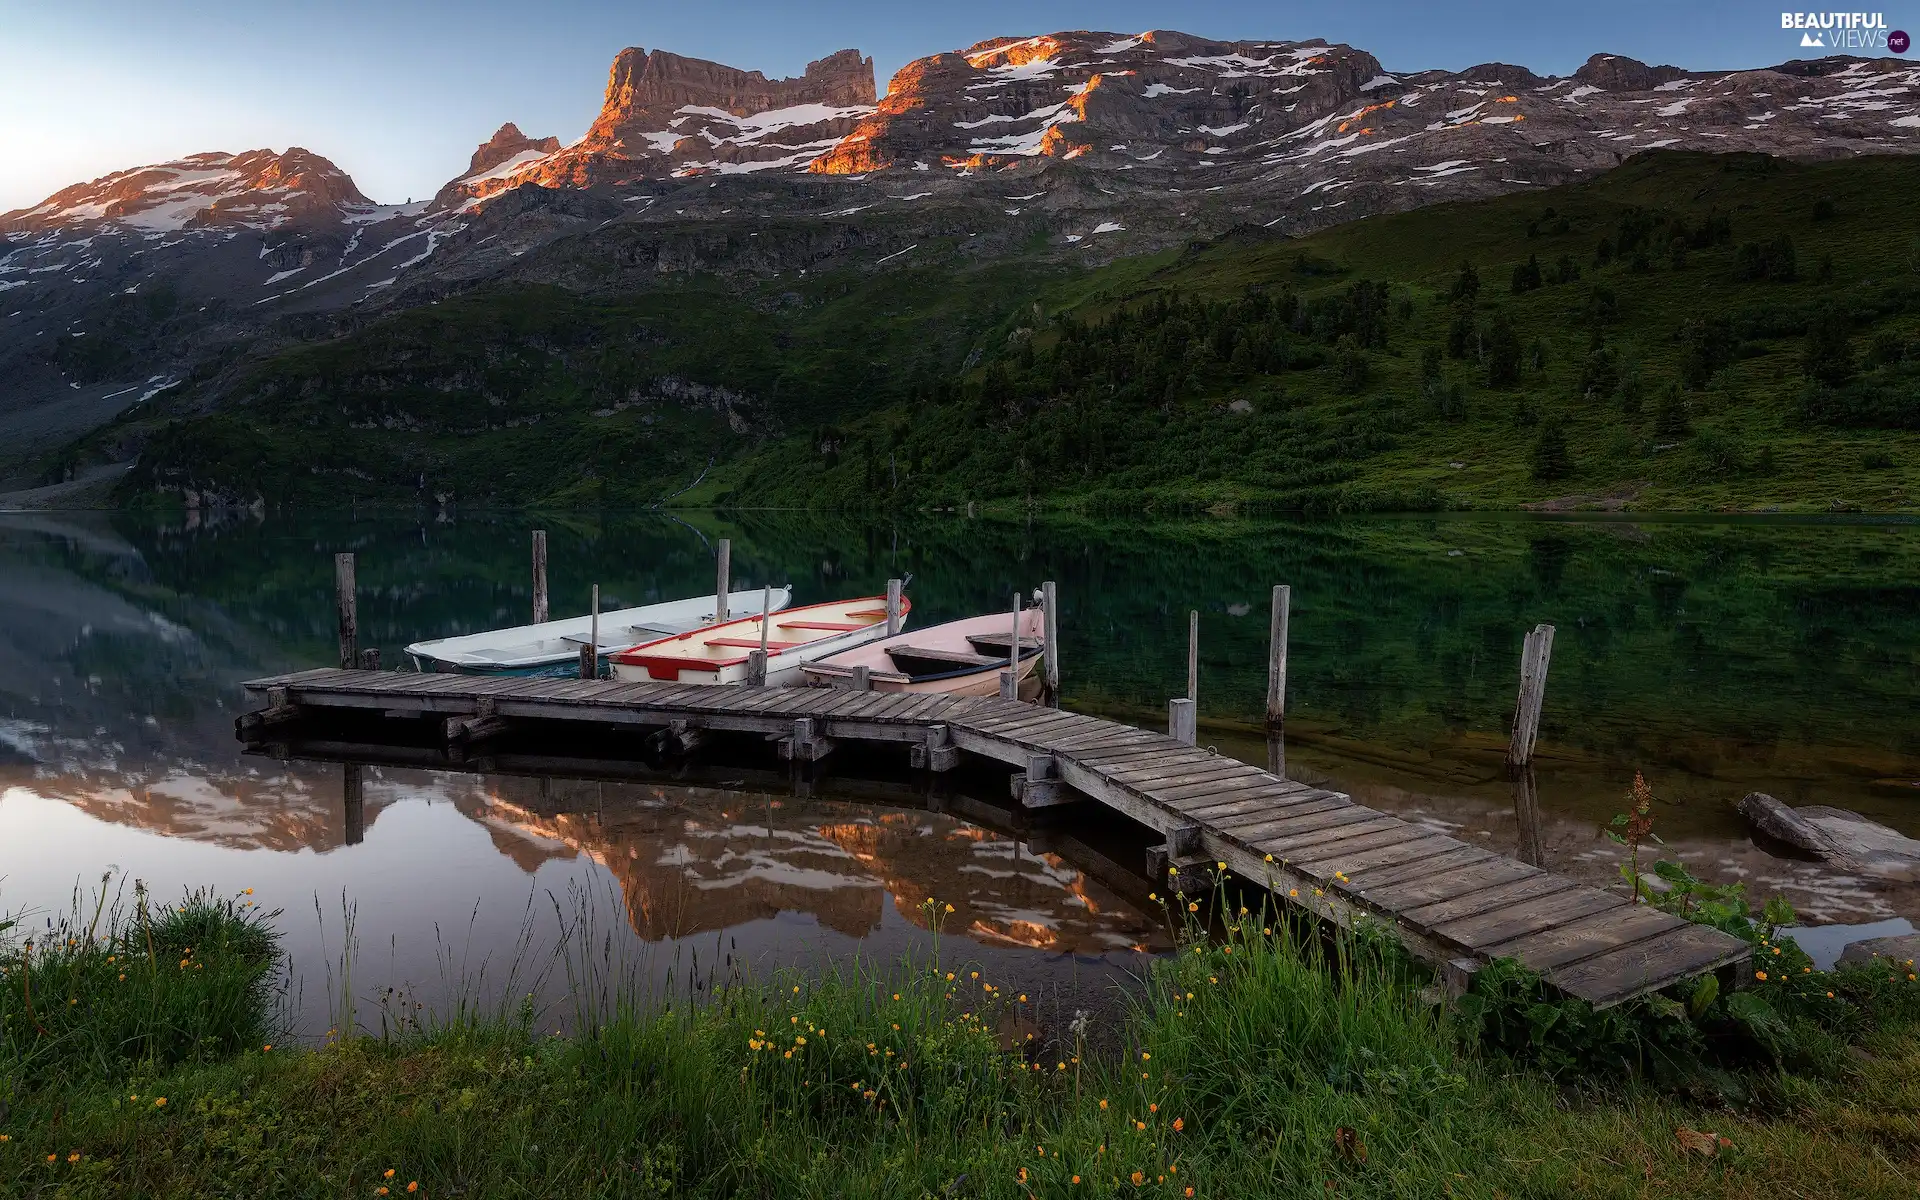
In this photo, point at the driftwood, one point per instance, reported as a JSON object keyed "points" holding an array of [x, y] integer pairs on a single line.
{"points": [[1835, 835], [1781, 823]]}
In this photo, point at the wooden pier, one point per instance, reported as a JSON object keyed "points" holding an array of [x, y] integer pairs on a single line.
{"points": [[1453, 904]]}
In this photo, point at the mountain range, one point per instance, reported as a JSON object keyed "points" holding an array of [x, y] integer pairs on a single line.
{"points": [[1070, 148]]}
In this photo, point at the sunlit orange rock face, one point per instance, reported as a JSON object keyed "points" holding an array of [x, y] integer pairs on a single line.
{"points": [[1009, 100], [260, 189], [666, 114], [646, 91], [507, 142]]}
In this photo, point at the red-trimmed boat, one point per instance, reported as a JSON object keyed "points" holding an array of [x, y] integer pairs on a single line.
{"points": [[793, 638]]}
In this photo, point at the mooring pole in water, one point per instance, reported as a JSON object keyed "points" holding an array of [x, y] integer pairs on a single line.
{"points": [[1050, 640], [1010, 681], [725, 584], [1536, 652], [590, 653], [1277, 659], [347, 598], [539, 576], [353, 802], [893, 606], [1193, 656], [1180, 722]]}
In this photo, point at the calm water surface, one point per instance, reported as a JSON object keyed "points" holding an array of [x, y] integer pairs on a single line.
{"points": [[1717, 657]]}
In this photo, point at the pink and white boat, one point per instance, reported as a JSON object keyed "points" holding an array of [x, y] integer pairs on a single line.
{"points": [[793, 638], [959, 658]]}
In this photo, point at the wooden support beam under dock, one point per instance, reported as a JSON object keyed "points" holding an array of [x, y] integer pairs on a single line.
{"points": [[1453, 904]]}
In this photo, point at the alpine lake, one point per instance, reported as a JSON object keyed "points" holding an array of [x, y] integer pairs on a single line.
{"points": [[1715, 656]]}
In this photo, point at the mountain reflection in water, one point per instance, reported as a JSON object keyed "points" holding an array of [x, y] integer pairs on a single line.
{"points": [[448, 865]]}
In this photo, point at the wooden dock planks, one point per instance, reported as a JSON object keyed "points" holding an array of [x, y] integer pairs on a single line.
{"points": [[1453, 903]]}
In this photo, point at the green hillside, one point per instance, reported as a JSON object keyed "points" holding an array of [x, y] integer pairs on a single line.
{"points": [[1687, 332]]}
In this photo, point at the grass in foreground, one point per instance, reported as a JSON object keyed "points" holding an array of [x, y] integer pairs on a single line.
{"points": [[1268, 1062]]}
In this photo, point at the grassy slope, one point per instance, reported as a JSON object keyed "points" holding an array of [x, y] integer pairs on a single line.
{"points": [[1197, 452], [494, 396], [530, 392]]}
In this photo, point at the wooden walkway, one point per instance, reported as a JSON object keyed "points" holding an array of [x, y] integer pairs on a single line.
{"points": [[1453, 904]]}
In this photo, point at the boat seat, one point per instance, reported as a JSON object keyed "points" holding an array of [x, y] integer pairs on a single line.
{"points": [[750, 644], [923, 660], [830, 671], [830, 626], [999, 644], [610, 636]]}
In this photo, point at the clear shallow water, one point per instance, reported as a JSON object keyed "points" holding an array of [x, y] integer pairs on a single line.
{"points": [[1716, 657]]}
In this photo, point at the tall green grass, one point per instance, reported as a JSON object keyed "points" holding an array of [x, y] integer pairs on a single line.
{"points": [[117, 984], [1263, 1059]]}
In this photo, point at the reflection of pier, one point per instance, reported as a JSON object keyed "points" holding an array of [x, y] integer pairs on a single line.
{"points": [[1451, 903], [701, 850]]}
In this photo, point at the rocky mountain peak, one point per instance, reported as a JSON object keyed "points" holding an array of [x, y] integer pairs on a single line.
{"points": [[259, 189], [646, 91], [669, 115], [1617, 73], [1156, 97], [506, 142]]}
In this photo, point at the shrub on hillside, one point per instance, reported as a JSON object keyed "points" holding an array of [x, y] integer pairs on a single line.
{"points": [[1551, 458]]}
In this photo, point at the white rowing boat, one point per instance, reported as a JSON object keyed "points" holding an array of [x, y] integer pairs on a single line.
{"points": [[959, 658], [793, 638], [553, 647]]}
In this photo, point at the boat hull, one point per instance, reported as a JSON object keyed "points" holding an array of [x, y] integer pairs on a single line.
{"points": [[552, 649], [955, 639], [559, 668]]}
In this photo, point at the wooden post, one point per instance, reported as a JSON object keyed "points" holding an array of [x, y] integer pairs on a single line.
{"points": [[862, 680], [1012, 648], [590, 653], [370, 659], [725, 585], [757, 666], [1009, 686], [1277, 658], [1193, 656], [539, 576], [1180, 723], [1535, 654], [1050, 641], [893, 607], [346, 596]]}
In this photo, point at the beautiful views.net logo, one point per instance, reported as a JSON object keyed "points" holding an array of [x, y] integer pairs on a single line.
{"points": [[1845, 31]]}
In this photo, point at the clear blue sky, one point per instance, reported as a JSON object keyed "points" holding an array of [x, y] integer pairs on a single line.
{"points": [[399, 92]]}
